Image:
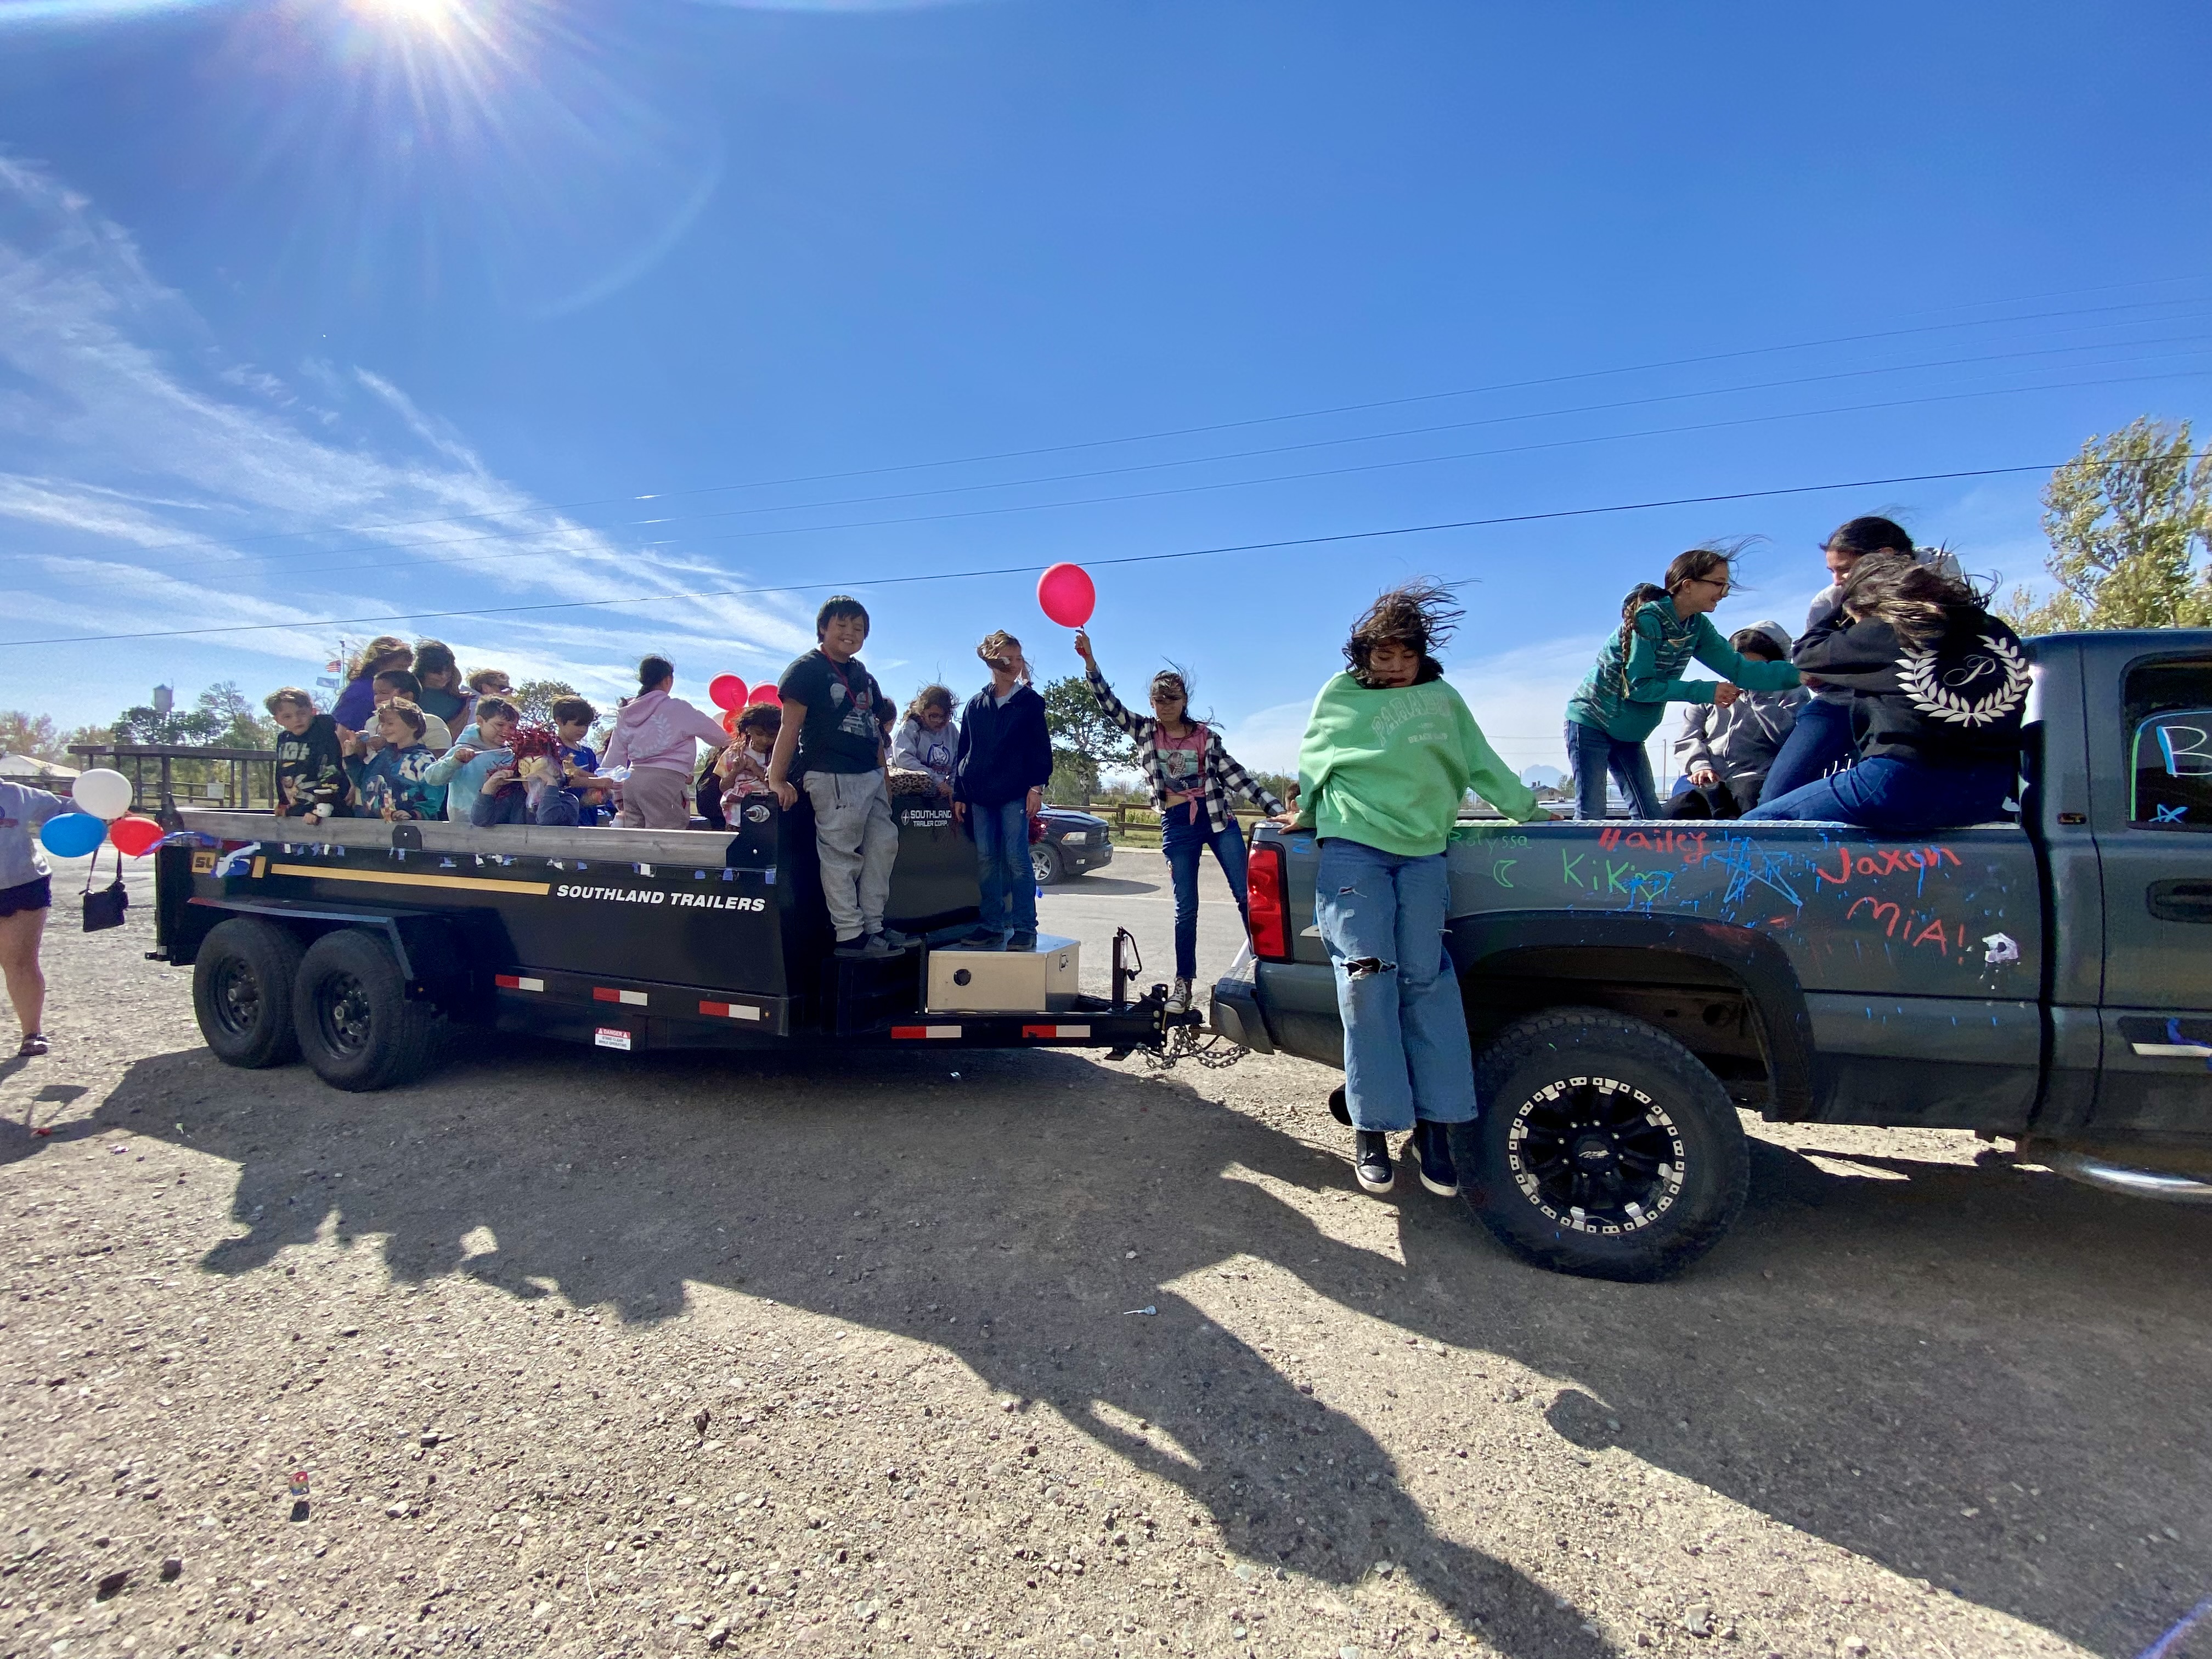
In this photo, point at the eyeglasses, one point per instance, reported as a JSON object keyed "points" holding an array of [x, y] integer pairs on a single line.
{"points": [[1721, 582]]}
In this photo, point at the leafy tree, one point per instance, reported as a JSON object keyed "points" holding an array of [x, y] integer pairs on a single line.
{"points": [[1084, 741], [535, 698], [243, 726], [144, 724], [35, 735], [2129, 518]]}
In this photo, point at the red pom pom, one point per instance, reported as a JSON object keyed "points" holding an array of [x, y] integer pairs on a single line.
{"points": [[531, 742]]}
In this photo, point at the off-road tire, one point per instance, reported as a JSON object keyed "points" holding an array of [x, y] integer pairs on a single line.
{"points": [[359, 1030], [242, 992], [1603, 1147], [1045, 864]]}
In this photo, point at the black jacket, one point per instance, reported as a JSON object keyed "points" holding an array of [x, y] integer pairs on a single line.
{"points": [[1004, 753], [311, 770], [1957, 703]]}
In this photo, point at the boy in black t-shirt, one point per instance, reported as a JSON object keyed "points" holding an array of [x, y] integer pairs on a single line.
{"points": [[837, 726]]}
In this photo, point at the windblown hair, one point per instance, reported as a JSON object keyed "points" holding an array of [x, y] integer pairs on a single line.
{"points": [[929, 697], [997, 646], [492, 706], [479, 678], [381, 653], [435, 657], [1681, 568], [573, 711], [652, 671], [1418, 615], [1922, 602], [763, 717], [1860, 536], [290, 693]]}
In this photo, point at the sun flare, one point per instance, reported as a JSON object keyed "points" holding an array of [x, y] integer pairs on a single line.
{"points": [[437, 16]]}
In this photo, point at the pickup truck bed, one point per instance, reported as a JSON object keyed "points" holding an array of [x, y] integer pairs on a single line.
{"points": [[2048, 980]]}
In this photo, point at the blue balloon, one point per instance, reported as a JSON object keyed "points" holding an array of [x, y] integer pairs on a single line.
{"points": [[72, 835]]}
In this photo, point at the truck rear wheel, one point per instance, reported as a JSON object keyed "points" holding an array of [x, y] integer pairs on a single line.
{"points": [[242, 992], [1603, 1147], [358, 1027]]}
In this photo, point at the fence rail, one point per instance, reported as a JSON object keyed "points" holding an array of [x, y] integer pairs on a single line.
{"points": [[239, 780]]}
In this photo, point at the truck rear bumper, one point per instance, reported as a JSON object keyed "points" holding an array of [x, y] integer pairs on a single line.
{"points": [[1237, 1016]]}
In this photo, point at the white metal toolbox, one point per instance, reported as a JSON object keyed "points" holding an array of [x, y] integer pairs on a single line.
{"points": [[966, 982]]}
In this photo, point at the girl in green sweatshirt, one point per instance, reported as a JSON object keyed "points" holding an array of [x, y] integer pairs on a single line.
{"points": [[1638, 674], [1389, 753]]}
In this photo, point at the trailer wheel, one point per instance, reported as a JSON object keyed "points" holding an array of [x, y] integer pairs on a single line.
{"points": [[1603, 1147], [358, 1027], [242, 992]]}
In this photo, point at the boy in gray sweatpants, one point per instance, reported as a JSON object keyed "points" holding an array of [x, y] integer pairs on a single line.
{"points": [[836, 727]]}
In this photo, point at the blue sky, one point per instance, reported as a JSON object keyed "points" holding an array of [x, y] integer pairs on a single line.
{"points": [[318, 309]]}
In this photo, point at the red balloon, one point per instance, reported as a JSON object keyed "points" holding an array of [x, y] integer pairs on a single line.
{"points": [[1066, 596], [134, 836], [729, 721], [767, 694], [727, 691]]}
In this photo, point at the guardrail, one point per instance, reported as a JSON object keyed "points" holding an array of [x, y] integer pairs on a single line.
{"points": [[239, 779]]}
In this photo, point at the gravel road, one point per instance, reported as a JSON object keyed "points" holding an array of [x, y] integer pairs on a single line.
{"points": [[584, 1353]]}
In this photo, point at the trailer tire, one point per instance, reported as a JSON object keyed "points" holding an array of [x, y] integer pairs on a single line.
{"points": [[358, 1027], [1603, 1147], [242, 982]]}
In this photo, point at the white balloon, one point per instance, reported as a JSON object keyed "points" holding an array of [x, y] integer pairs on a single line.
{"points": [[103, 793]]}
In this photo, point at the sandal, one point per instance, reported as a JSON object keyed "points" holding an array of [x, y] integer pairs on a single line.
{"points": [[35, 1044]]}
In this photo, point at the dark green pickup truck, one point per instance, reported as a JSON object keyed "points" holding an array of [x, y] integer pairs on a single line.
{"points": [[1629, 985]]}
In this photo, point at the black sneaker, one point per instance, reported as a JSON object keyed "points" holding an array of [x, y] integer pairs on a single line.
{"points": [[855, 946], [1429, 1154], [895, 939], [983, 938], [1024, 939], [1370, 1160]]}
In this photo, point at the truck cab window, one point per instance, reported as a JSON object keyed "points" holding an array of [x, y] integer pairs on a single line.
{"points": [[2169, 706]]}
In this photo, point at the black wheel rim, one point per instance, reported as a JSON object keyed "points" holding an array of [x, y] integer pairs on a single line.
{"points": [[343, 1014], [237, 998], [1596, 1155]]}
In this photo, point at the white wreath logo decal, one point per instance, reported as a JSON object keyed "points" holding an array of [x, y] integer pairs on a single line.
{"points": [[1924, 686]]}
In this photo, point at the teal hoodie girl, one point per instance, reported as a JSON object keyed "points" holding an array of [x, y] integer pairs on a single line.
{"points": [[1639, 672]]}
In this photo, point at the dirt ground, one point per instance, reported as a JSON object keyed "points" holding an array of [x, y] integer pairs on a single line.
{"points": [[1029, 1353]]}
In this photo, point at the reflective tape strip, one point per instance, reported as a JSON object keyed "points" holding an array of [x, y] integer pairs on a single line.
{"points": [[517, 982], [1055, 1030], [924, 1031], [729, 1010], [608, 993], [2174, 1050]]}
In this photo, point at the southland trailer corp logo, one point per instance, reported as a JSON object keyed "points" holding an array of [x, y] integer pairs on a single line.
{"points": [[676, 898]]}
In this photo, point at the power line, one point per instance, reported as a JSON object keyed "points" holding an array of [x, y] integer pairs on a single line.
{"points": [[1191, 431], [1030, 569], [1149, 466]]}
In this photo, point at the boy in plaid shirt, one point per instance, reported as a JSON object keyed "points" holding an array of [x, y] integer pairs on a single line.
{"points": [[1191, 776]]}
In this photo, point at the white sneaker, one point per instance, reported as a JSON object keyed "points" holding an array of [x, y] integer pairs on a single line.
{"points": [[1179, 999]]}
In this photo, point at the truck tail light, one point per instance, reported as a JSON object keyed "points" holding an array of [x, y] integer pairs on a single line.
{"points": [[1270, 908]]}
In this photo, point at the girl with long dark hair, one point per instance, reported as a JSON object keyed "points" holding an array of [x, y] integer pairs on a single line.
{"points": [[1938, 686], [1637, 675], [1390, 750]]}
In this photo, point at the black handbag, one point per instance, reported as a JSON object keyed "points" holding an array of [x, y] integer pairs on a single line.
{"points": [[105, 909]]}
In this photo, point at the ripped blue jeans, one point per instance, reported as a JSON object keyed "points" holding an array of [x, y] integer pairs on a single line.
{"points": [[1405, 1052]]}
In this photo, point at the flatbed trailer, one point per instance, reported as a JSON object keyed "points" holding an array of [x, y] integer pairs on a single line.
{"points": [[358, 945]]}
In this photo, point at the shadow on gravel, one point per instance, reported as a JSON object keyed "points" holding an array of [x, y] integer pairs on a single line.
{"points": [[1987, 1378]]}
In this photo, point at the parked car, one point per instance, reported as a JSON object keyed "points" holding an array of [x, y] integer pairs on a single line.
{"points": [[1074, 842], [2047, 979]]}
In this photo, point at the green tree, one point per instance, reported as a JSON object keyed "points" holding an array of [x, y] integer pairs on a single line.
{"points": [[243, 725], [1084, 742], [35, 735], [2130, 518], [535, 698]]}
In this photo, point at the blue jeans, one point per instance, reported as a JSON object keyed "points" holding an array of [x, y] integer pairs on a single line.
{"points": [[1406, 1051], [1003, 869], [1592, 754], [1185, 844], [1895, 797], [1817, 745]]}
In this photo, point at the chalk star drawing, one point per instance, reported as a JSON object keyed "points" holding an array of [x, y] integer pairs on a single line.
{"points": [[2172, 814]]}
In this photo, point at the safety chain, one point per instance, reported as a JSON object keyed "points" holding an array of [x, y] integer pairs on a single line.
{"points": [[1216, 1053]]}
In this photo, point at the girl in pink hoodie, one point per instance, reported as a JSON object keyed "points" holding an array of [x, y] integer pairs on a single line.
{"points": [[656, 737]]}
